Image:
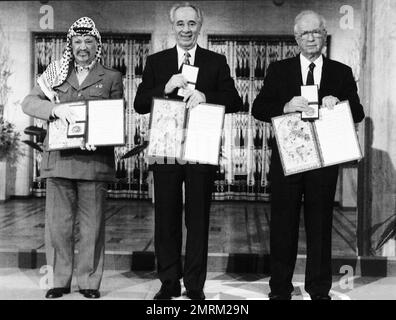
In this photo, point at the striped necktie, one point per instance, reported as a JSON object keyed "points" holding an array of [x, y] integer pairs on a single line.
{"points": [[186, 58]]}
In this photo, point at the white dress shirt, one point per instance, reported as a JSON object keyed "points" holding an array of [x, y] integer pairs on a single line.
{"points": [[317, 71], [180, 55]]}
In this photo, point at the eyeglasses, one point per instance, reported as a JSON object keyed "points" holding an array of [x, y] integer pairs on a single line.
{"points": [[318, 33]]}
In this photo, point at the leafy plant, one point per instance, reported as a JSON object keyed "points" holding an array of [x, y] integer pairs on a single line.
{"points": [[9, 137], [9, 142], [5, 71]]}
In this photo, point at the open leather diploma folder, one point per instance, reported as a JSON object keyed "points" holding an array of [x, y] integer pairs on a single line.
{"points": [[98, 123], [192, 135], [309, 145]]}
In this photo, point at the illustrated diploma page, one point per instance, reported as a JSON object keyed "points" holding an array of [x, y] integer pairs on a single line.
{"points": [[68, 136], [296, 143], [166, 128], [203, 134]]}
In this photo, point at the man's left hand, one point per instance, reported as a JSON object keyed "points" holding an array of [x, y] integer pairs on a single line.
{"points": [[330, 102], [193, 98]]}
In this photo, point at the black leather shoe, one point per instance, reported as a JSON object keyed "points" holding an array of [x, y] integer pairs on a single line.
{"points": [[56, 292], [195, 294], [90, 293], [273, 296], [320, 297], [168, 292]]}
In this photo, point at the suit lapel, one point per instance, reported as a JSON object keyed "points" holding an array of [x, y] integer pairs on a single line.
{"points": [[171, 61], [296, 76], [326, 75], [95, 75], [198, 57], [199, 62]]}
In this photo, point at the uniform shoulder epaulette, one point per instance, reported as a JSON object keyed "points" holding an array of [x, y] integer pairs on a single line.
{"points": [[109, 68]]}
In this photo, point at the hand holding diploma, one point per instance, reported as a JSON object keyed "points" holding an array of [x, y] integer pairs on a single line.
{"points": [[176, 81], [190, 74], [64, 113], [297, 104], [330, 102], [311, 94], [88, 147], [193, 98]]}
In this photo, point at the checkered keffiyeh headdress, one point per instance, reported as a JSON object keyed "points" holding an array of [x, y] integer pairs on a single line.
{"points": [[57, 71]]}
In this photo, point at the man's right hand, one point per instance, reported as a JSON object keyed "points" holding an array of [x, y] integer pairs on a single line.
{"points": [[297, 104], [64, 113], [176, 81]]}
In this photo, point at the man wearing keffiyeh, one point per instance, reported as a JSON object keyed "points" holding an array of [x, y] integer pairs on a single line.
{"points": [[76, 179]]}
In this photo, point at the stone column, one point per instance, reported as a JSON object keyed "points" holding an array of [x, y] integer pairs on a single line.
{"points": [[14, 18], [377, 173]]}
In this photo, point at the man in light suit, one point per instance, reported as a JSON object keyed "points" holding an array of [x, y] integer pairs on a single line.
{"points": [[76, 179], [162, 78], [281, 94]]}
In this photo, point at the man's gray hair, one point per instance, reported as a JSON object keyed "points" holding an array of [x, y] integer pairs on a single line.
{"points": [[304, 13], [185, 5]]}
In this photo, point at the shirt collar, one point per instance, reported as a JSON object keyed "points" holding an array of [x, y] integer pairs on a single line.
{"points": [[79, 68], [181, 51], [305, 62]]}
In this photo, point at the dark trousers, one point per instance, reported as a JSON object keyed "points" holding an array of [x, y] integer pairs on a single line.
{"points": [[317, 188], [65, 200], [168, 181]]}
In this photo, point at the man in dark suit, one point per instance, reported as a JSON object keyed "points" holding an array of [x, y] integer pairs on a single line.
{"points": [[76, 179], [162, 78], [281, 94]]}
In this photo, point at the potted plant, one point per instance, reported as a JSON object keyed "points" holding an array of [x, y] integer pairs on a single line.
{"points": [[9, 142], [9, 152]]}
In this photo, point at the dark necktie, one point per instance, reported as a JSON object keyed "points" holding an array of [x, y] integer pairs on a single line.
{"points": [[310, 76]]}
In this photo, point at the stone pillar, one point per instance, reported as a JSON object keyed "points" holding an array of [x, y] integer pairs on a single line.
{"points": [[14, 18], [377, 172], [4, 167]]}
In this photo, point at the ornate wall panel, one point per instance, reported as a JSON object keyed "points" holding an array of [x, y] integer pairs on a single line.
{"points": [[126, 53], [246, 149]]}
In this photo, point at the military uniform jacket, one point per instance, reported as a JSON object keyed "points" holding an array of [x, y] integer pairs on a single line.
{"points": [[101, 83]]}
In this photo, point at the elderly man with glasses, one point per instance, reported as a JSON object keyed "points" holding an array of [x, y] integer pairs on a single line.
{"points": [[281, 94]]}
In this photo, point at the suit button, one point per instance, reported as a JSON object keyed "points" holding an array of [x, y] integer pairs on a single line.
{"points": [[79, 94]]}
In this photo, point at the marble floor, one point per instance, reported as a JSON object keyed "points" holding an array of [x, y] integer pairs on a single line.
{"points": [[235, 227]]}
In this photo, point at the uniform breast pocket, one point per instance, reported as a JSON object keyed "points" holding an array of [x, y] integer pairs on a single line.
{"points": [[98, 91], [95, 92]]}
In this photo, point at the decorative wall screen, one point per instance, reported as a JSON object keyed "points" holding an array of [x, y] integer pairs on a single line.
{"points": [[246, 148], [126, 53]]}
